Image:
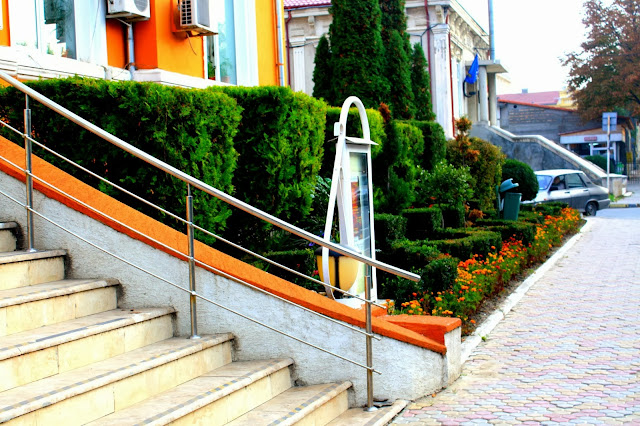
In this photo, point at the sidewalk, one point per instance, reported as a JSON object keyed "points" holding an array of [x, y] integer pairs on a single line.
{"points": [[631, 201], [566, 353]]}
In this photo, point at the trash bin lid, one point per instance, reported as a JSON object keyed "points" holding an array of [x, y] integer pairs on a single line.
{"points": [[507, 185]]}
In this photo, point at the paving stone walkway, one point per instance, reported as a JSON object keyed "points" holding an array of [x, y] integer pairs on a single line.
{"points": [[568, 353]]}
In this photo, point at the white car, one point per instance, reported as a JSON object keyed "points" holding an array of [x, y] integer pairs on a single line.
{"points": [[572, 187]]}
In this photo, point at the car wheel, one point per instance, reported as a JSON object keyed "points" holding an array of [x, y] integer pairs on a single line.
{"points": [[591, 209]]}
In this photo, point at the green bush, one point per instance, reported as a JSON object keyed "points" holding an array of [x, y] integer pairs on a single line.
{"points": [[435, 143], [192, 130], [397, 168], [438, 274], [421, 84], [423, 223], [452, 215], [444, 185], [523, 175], [459, 243], [280, 141], [601, 161], [389, 228], [524, 231]]}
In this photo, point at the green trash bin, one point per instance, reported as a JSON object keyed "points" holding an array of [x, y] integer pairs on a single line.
{"points": [[511, 208]]}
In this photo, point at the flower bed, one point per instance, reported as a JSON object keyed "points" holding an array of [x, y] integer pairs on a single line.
{"points": [[482, 277]]}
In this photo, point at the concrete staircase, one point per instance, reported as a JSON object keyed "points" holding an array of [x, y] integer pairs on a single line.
{"points": [[69, 356]]}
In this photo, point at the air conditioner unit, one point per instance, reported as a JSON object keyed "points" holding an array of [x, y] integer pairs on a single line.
{"points": [[131, 10], [194, 17]]}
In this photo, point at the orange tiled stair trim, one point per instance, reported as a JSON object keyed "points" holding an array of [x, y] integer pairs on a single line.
{"points": [[433, 340]]}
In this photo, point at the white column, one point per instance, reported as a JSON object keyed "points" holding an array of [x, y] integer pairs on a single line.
{"points": [[441, 96], [483, 96], [493, 100], [299, 76]]}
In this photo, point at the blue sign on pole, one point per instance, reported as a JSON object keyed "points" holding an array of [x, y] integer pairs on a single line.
{"points": [[609, 119]]}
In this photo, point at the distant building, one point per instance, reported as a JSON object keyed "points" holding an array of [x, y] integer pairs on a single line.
{"points": [[450, 38]]}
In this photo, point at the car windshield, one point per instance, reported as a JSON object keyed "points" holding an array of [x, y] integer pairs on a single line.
{"points": [[544, 181]]}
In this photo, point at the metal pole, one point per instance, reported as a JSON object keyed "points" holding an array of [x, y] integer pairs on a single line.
{"points": [[492, 48], [369, 340], [608, 155], [192, 265], [28, 169]]}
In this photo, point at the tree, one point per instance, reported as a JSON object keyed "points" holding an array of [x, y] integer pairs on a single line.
{"points": [[397, 62], [322, 72], [421, 85], [357, 52], [605, 74]]}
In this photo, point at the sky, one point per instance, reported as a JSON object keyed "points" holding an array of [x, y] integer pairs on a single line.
{"points": [[531, 36]]}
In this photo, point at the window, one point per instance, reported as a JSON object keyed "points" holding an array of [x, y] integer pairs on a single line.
{"points": [[573, 181], [45, 25], [63, 28], [232, 54]]}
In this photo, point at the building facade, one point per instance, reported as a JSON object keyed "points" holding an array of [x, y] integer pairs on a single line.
{"points": [[190, 43], [450, 38]]}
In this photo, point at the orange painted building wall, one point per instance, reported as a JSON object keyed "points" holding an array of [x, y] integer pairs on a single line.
{"points": [[267, 42], [5, 38], [116, 43], [157, 46]]}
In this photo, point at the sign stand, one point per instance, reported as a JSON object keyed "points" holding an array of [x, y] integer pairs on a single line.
{"points": [[609, 121], [352, 191]]}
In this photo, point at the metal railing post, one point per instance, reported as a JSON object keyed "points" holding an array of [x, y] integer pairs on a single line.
{"points": [[28, 169], [369, 340], [192, 266]]}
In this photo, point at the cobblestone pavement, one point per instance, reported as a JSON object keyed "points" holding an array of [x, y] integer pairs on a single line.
{"points": [[568, 353]]}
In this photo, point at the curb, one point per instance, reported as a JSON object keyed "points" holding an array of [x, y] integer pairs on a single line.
{"points": [[622, 206], [474, 339]]}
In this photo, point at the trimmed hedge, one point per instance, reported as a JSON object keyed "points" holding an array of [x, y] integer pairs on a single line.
{"points": [[280, 142], [460, 243], [388, 228], [551, 209], [192, 130], [453, 216], [398, 168], [423, 223], [524, 231], [436, 275], [435, 143]]}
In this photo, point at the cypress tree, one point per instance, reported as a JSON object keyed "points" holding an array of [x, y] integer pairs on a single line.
{"points": [[397, 58], [421, 85], [323, 71], [357, 52]]}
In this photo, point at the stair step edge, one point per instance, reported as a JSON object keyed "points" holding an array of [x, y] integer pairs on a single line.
{"points": [[322, 394], [8, 225], [380, 417], [179, 405], [51, 390], [53, 335], [25, 256], [32, 293]]}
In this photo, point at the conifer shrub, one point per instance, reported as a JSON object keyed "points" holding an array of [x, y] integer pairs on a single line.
{"points": [[191, 130], [323, 71], [435, 143], [421, 85]]}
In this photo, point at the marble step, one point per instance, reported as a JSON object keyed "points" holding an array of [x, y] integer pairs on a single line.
{"points": [[27, 308], [88, 393], [22, 268], [7, 236], [215, 398], [46, 351], [306, 405], [357, 416]]}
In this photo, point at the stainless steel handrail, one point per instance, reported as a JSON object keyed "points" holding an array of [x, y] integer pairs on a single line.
{"points": [[195, 183], [168, 213], [201, 185], [195, 294]]}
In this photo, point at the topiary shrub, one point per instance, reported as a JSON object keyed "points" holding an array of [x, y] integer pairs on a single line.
{"points": [[280, 141], [520, 230], [192, 130], [397, 168], [523, 175], [435, 143], [389, 228], [423, 223]]}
